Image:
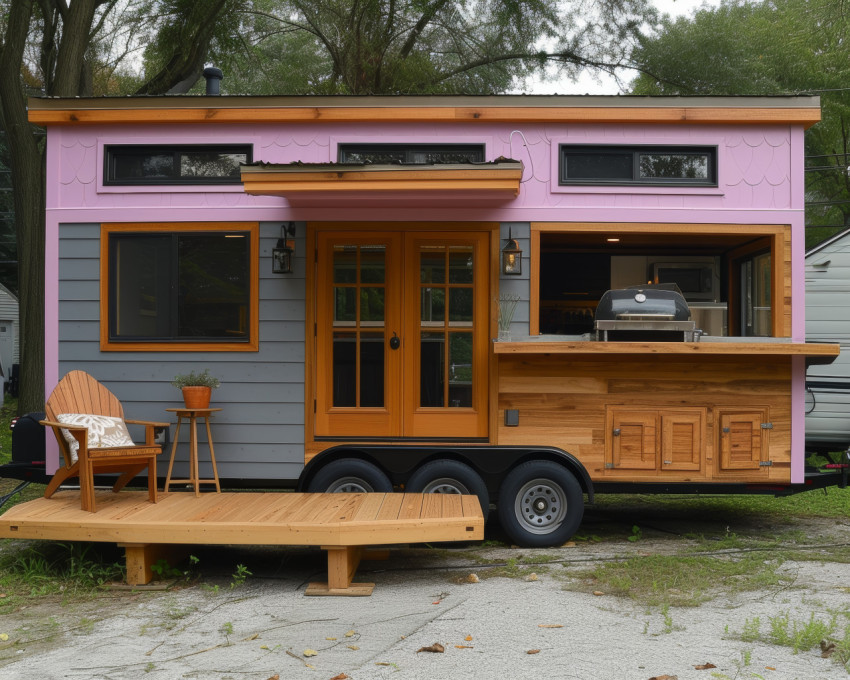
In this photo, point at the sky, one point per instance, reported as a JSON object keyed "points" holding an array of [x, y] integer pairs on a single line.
{"points": [[588, 84]]}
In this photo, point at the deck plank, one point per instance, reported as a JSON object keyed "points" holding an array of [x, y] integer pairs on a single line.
{"points": [[471, 506], [246, 518]]}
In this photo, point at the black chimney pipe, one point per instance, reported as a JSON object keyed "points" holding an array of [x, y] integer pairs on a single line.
{"points": [[213, 76]]}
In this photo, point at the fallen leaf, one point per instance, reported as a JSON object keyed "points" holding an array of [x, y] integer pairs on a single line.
{"points": [[4, 637], [436, 647], [341, 676], [310, 652], [382, 663], [351, 633], [665, 677], [531, 577], [436, 602], [354, 647], [251, 637], [769, 668], [468, 638], [464, 647], [264, 646], [826, 649], [598, 593], [331, 640], [549, 625], [275, 677], [705, 666], [533, 651], [472, 578], [569, 544], [309, 665]]}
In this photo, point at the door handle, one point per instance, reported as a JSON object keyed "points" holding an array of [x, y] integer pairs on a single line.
{"points": [[395, 341]]}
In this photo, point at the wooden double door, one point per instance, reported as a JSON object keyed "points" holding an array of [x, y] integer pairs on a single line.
{"points": [[402, 334]]}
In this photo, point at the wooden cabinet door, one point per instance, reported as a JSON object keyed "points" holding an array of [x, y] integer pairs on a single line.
{"points": [[634, 440], [743, 440], [682, 440]]}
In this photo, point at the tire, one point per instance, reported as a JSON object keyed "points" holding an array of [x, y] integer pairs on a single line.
{"points": [[350, 475], [541, 504], [449, 476]]}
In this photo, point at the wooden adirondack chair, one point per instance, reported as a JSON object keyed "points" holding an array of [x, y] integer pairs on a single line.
{"points": [[80, 393]]}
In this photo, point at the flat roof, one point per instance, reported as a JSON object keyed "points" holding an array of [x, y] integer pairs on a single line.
{"points": [[775, 110]]}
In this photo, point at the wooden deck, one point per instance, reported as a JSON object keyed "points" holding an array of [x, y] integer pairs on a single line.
{"points": [[341, 524]]}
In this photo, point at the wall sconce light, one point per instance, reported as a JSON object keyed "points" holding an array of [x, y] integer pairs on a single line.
{"points": [[284, 250], [511, 256]]}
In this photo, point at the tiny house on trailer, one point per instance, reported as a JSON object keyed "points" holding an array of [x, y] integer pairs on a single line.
{"points": [[405, 291]]}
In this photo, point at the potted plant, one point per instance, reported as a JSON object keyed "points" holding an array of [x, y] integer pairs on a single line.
{"points": [[196, 388]]}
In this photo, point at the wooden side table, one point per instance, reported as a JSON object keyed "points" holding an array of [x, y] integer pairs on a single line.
{"points": [[193, 415]]}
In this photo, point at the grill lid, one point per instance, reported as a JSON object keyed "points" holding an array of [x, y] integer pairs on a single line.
{"points": [[648, 303]]}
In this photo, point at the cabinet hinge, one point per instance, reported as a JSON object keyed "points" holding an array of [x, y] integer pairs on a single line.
{"points": [[616, 432], [609, 466], [767, 426], [765, 463]]}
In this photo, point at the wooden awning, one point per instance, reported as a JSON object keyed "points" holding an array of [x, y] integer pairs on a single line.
{"points": [[497, 180]]}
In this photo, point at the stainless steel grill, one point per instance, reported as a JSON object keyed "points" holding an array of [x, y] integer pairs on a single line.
{"points": [[644, 313]]}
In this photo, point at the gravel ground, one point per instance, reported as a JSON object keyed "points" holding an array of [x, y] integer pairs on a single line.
{"points": [[499, 627]]}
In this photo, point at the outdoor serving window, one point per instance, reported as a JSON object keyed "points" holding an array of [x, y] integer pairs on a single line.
{"points": [[190, 164], [411, 154], [649, 165], [168, 287]]}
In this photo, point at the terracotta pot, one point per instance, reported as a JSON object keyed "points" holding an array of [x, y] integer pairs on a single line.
{"points": [[196, 396]]}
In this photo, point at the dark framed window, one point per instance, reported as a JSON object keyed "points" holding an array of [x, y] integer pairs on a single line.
{"points": [[163, 287], [411, 154], [154, 165], [650, 165]]}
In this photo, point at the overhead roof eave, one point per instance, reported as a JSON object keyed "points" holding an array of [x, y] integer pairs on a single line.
{"points": [[745, 110]]}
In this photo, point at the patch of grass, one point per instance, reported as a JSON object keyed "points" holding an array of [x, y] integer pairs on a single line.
{"points": [[44, 568], [656, 580], [8, 410], [510, 569], [803, 635]]}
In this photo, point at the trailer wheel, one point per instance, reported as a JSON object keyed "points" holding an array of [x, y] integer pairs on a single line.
{"points": [[350, 475], [541, 504], [449, 476]]}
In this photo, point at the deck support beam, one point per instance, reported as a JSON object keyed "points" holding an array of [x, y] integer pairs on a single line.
{"points": [[343, 561], [140, 557]]}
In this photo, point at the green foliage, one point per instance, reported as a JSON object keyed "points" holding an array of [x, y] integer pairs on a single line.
{"points": [[422, 46], [636, 534], [193, 379], [7, 412], [239, 576], [734, 49]]}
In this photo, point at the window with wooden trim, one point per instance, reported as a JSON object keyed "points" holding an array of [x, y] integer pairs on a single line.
{"points": [[134, 164], [411, 154], [175, 286], [649, 165]]}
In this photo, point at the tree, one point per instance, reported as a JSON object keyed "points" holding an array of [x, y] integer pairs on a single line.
{"points": [[764, 48], [425, 46], [61, 49]]}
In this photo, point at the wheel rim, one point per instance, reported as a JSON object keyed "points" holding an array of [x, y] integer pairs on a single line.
{"points": [[445, 485], [541, 506], [350, 485]]}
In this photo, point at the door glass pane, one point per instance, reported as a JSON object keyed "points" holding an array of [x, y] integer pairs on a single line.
{"points": [[432, 264], [344, 369], [433, 305], [372, 369], [432, 370], [460, 264], [345, 264], [460, 369], [761, 295], [460, 305], [371, 306], [345, 306], [373, 264]]}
